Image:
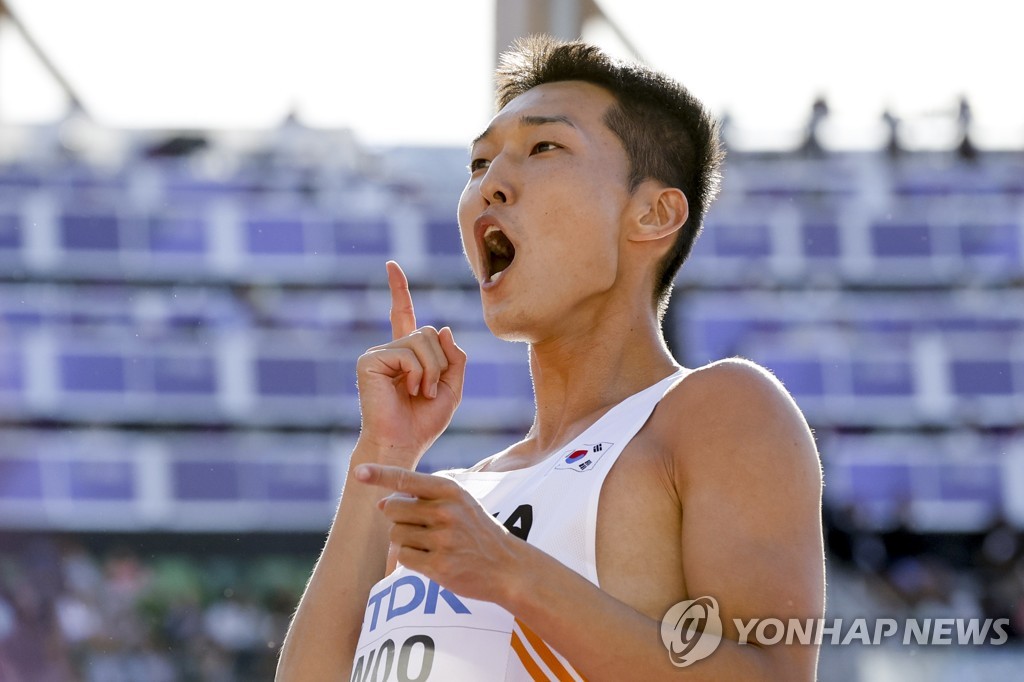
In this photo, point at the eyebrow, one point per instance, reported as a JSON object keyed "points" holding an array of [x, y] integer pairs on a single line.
{"points": [[527, 121]]}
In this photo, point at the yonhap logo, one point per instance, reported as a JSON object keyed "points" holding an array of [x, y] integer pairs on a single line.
{"points": [[691, 630]]}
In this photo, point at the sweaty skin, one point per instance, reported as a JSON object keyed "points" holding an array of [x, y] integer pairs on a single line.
{"points": [[718, 494]]}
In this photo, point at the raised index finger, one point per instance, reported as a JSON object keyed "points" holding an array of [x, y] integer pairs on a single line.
{"points": [[403, 317], [423, 486]]}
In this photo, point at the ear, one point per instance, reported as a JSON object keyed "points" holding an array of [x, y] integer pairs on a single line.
{"points": [[662, 211]]}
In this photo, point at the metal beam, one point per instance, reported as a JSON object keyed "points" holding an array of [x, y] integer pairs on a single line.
{"points": [[563, 19], [51, 68], [516, 18]]}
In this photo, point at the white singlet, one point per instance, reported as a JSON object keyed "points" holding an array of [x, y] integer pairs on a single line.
{"points": [[414, 630]]}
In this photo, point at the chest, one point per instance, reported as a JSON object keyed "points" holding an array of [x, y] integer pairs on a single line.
{"points": [[610, 515]]}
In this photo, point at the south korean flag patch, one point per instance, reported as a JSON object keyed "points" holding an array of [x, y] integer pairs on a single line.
{"points": [[584, 457]]}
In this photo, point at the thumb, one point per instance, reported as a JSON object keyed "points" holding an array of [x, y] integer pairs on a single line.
{"points": [[455, 375]]}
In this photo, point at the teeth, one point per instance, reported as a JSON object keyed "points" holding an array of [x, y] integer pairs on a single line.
{"points": [[497, 242], [499, 252]]}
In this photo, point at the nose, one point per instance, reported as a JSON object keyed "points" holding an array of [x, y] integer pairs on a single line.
{"points": [[495, 187]]}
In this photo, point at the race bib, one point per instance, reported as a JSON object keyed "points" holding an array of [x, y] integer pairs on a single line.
{"points": [[414, 630]]}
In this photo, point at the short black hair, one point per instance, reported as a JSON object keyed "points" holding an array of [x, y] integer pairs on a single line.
{"points": [[668, 134]]}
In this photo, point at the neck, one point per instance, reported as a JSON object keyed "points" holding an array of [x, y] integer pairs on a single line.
{"points": [[577, 377]]}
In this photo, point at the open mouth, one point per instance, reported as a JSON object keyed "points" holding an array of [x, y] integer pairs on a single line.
{"points": [[498, 252]]}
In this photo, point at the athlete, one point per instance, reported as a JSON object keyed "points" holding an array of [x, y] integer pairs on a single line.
{"points": [[640, 485]]}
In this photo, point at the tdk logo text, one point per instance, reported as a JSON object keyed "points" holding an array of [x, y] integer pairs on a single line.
{"points": [[409, 593]]}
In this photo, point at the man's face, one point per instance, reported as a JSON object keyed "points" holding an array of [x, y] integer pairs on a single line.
{"points": [[540, 216]]}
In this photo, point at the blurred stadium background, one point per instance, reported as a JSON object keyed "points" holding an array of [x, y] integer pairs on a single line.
{"points": [[184, 289]]}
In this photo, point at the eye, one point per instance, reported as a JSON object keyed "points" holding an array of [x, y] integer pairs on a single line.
{"points": [[478, 164], [543, 147]]}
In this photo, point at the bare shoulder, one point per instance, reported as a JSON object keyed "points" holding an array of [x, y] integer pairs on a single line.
{"points": [[746, 470], [731, 412], [734, 380]]}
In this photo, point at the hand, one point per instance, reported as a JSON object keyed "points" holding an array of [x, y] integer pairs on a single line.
{"points": [[409, 388], [441, 531]]}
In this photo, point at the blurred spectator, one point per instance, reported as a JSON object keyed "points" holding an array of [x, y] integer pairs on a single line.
{"points": [[33, 649], [120, 618], [893, 146], [966, 148], [812, 144]]}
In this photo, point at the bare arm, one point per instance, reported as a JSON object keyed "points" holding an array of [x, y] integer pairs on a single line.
{"points": [[408, 391], [748, 478], [323, 633]]}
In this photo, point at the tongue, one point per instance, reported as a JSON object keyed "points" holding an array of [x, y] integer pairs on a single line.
{"points": [[499, 263]]}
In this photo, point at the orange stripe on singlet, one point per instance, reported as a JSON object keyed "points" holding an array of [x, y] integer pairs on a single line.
{"points": [[527, 660], [546, 654]]}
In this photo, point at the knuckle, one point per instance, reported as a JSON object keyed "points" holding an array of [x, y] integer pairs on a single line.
{"points": [[443, 515], [443, 541], [401, 480], [424, 338], [365, 360]]}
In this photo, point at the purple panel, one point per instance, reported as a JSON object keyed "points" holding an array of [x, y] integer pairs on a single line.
{"points": [[101, 480], [882, 378], [92, 372], [901, 240], [10, 232], [982, 377], [89, 233], [18, 178], [498, 380], [191, 320], [336, 378], [24, 318], [11, 378], [286, 377], [880, 482], [187, 187], [743, 241], [821, 240], [177, 234], [361, 236], [20, 479], [184, 374], [308, 482], [883, 323], [443, 237], [720, 337], [963, 322], [89, 316], [272, 236], [989, 240], [800, 377], [975, 482], [205, 480]]}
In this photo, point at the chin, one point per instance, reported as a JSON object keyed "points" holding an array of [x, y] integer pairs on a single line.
{"points": [[513, 328]]}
